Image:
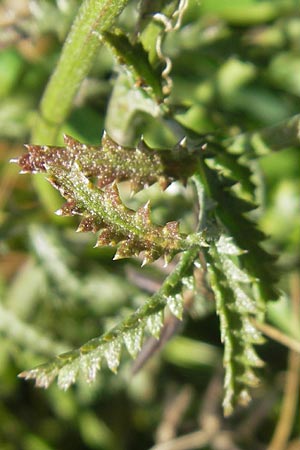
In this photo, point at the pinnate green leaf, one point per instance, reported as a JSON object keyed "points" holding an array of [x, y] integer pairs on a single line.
{"points": [[130, 332], [237, 332], [231, 211]]}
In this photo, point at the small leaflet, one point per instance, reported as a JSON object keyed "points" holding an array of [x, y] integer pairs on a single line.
{"points": [[43, 379], [251, 358], [67, 375], [233, 272], [175, 304], [112, 354], [244, 303], [244, 397], [249, 378], [90, 364], [133, 340], [155, 323], [226, 246], [251, 333], [188, 283]]}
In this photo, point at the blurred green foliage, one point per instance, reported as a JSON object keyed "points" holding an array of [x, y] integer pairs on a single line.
{"points": [[235, 69]]}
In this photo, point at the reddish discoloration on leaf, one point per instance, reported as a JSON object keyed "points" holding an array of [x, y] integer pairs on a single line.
{"points": [[70, 170], [111, 162]]}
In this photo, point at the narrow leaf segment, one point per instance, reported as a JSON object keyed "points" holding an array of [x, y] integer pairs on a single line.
{"points": [[232, 211], [69, 170], [241, 272], [234, 307], [110, 162]]}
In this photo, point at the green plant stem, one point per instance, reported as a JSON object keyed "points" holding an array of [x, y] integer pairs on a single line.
{"points": [[277, 137], [202, 197], [77, 57]]}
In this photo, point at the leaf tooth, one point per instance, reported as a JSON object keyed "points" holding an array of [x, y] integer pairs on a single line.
{"points": [[90, 364], [112, 192], [42, 157], [163, 182], [171, 230], [104, 136], [34, 160], [250, 333], [67, 375], [244, 397], [182, 143], [103, 180], [33, 148], [149, 256], [145, 262], [143, 214], [55, 183], [175, 304], [243, 303], [106, 237], [107, 140], [167, 259], [123, 251], [68, 209], [29, 374], [155, 323], [26, 164], [227, 246], [108, 144], [43, 378], [14, 160], [72, 144], [136, 186], [133, 340], [112, 354], [64, 190], [89, 223], [250, 357], [142, 146], [126, 249], [249, 378]]}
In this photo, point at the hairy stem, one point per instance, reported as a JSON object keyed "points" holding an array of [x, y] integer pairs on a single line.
{"points": [[77, 57]]}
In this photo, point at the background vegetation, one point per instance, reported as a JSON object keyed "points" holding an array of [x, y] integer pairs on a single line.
{"points": [[235, 69]]}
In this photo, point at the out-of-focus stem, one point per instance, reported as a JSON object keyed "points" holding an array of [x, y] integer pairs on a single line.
{"points": [[277, 137]]}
